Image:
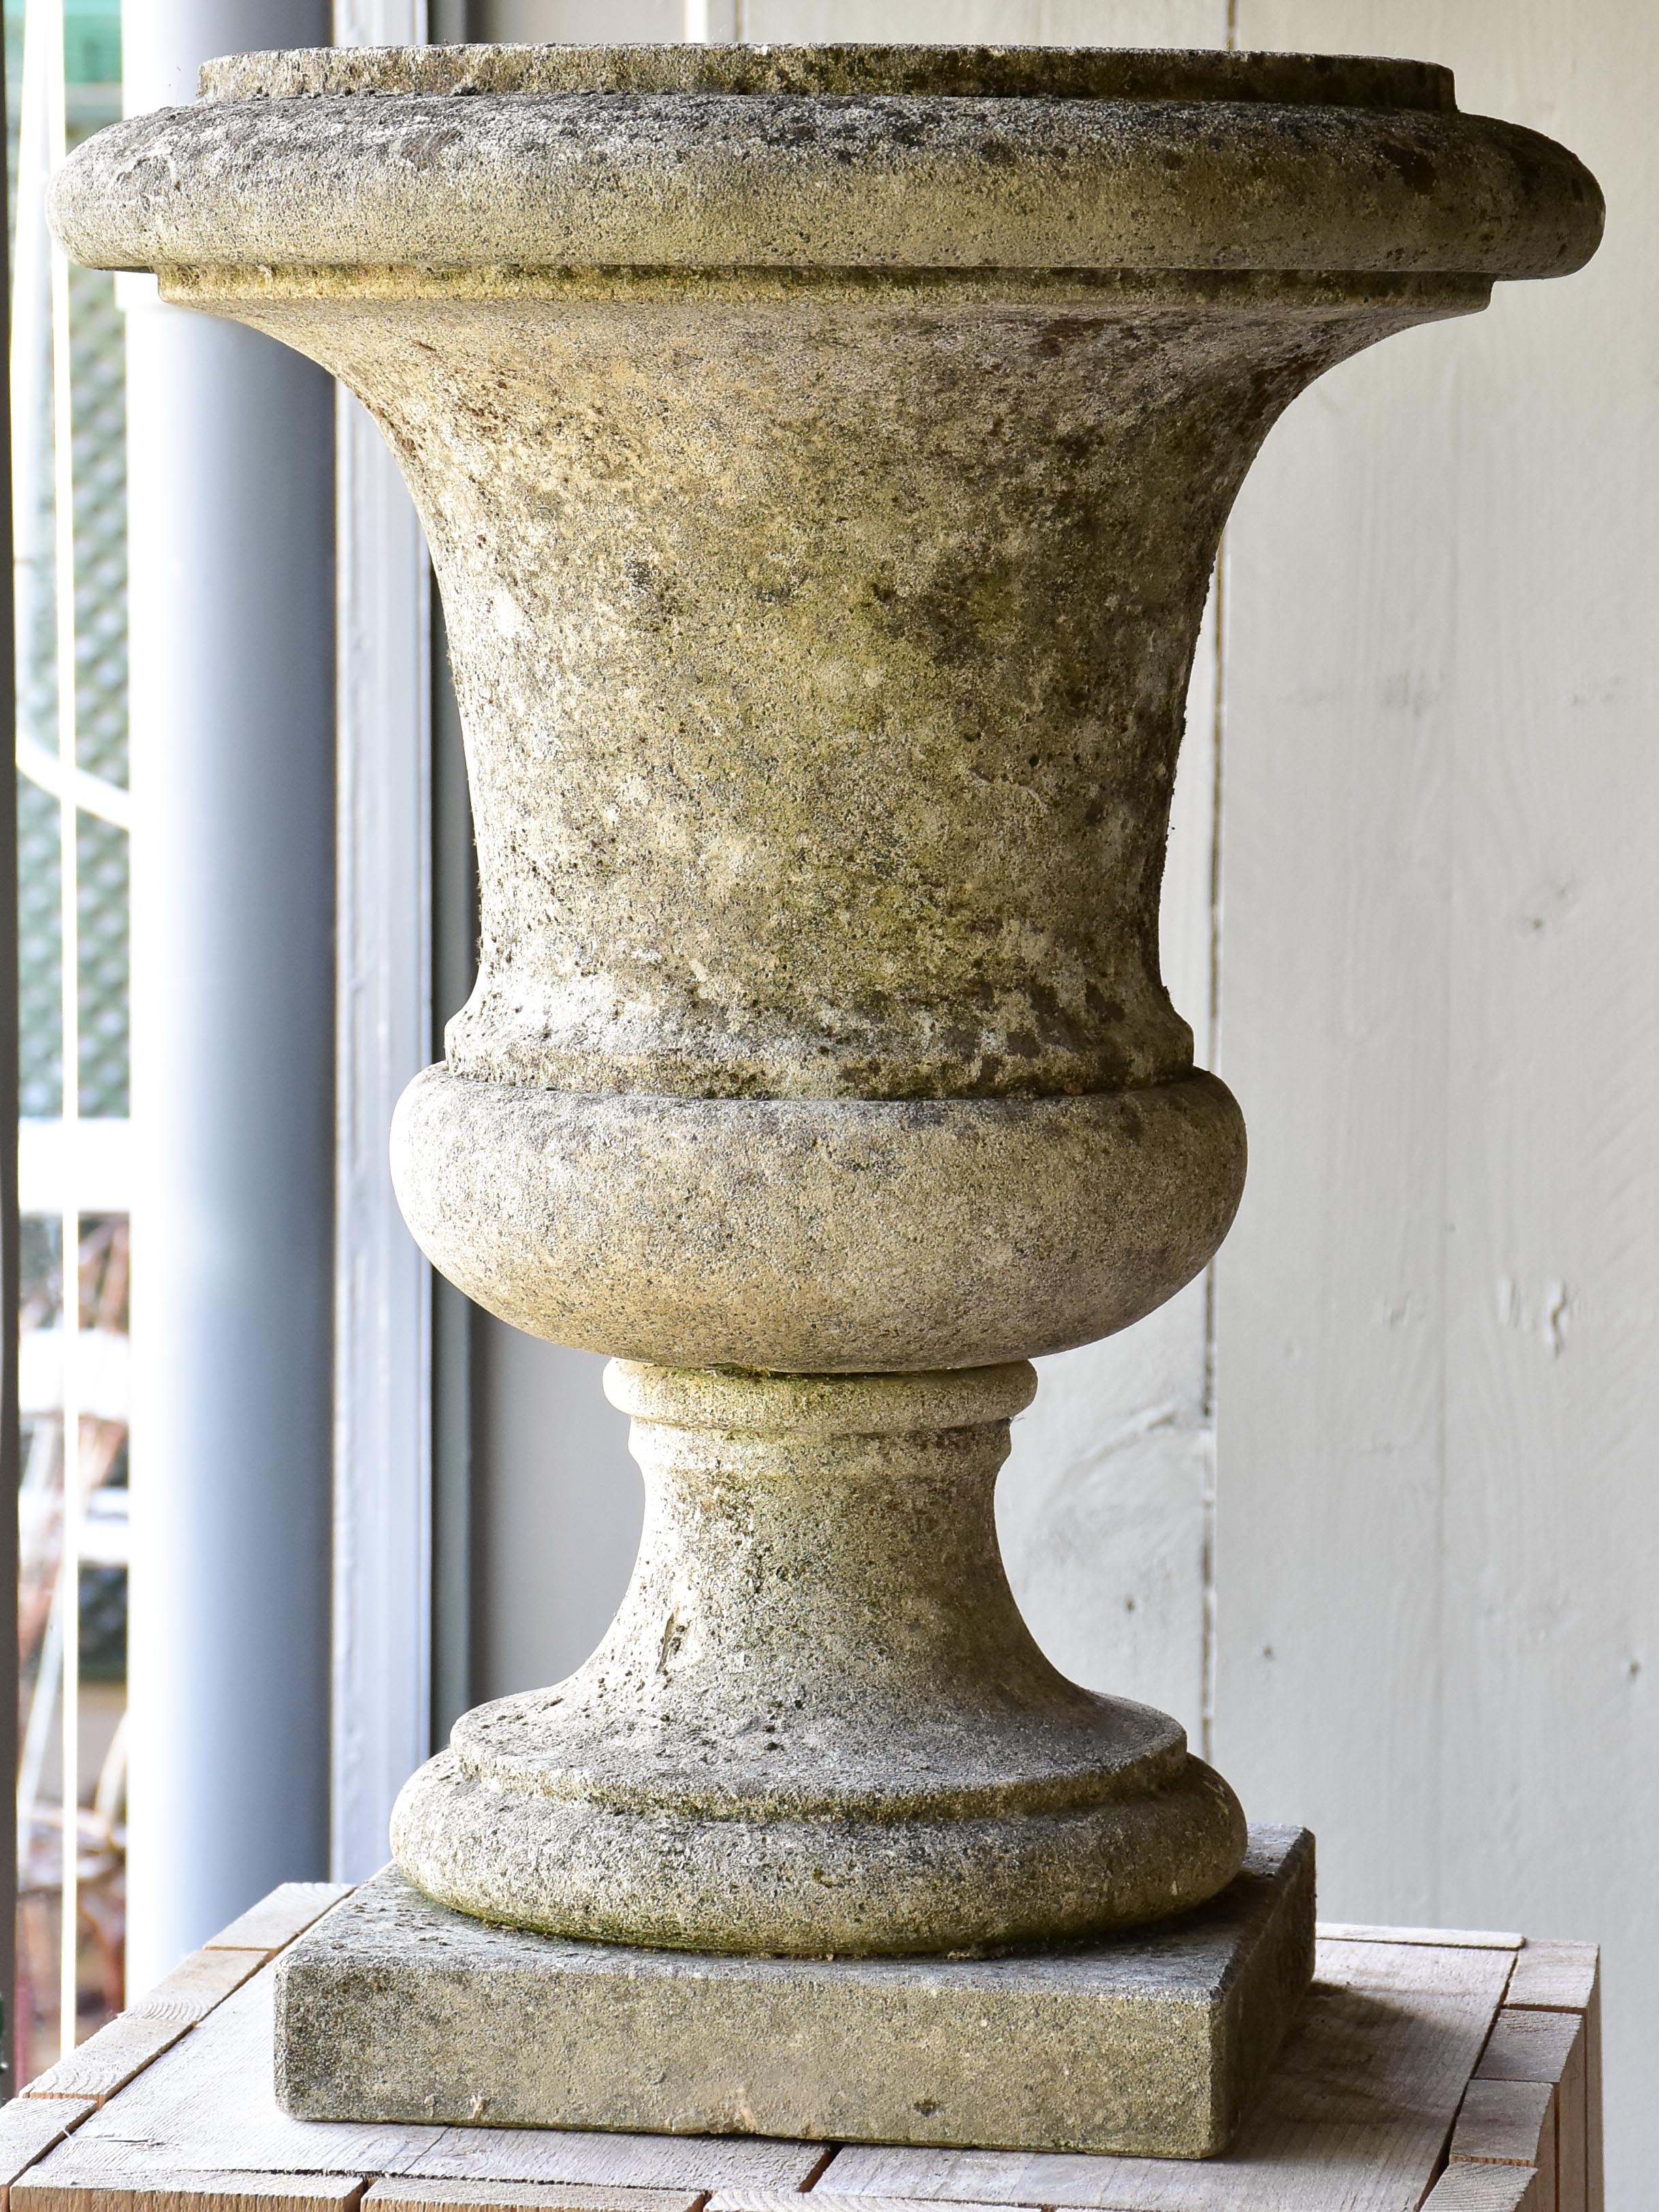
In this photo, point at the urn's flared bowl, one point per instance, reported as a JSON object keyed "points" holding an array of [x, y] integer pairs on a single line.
{"points": [[822, 452]]}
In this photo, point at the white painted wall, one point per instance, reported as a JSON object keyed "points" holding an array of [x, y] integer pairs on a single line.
{"points": [[1436, 1393], [1375, 1510]]}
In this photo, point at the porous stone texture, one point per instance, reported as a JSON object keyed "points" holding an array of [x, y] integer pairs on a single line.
{"points": [[1150, 2046], [815, 1235], [829, 158], [824, 452], [822, 645], [839, 72], [819, 1724]]}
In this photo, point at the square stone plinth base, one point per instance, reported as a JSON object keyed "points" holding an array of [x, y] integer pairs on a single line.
{"points": [[393, 2009]]}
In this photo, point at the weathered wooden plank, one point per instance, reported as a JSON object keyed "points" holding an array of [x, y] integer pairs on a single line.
{"points": [[1460, 1939], [1565, 1978], [1536, 2045], [277, 1919], [1420, 1972], [409, 2195], [1554, 1977], [833, 2200], [1573, 2134], [109, 2059], [1356, 2112], [29, 2126], [71, 2180], [196, 1985], [1513, 2124], [1529, 2046], [1486, 2189], [1507, 2123], [1595, 2175], [565, 2157]]}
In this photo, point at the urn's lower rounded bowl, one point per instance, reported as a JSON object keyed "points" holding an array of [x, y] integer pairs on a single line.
{"points": [[818, 1235], [681, 1880]]}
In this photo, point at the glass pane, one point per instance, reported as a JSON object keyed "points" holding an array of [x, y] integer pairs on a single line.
{"points": [[63, 75]]}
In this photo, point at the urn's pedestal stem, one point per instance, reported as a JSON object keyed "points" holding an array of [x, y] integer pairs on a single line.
{"points": [[819, 1724]]}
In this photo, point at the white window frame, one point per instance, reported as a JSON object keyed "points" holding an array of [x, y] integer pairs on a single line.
{"points": [[382, 1572]]}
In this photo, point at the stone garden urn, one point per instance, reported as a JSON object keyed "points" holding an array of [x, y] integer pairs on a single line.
{"points": [[824, 452]]}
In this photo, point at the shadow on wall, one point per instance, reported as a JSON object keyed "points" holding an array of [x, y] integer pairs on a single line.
{"points": [[558, 1506]]}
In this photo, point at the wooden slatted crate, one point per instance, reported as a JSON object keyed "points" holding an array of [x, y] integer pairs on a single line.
{"points": [[1447, 2070]]}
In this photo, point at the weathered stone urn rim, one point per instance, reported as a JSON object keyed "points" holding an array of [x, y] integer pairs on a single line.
{"points": [[1194, 162], [836, 69]]}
